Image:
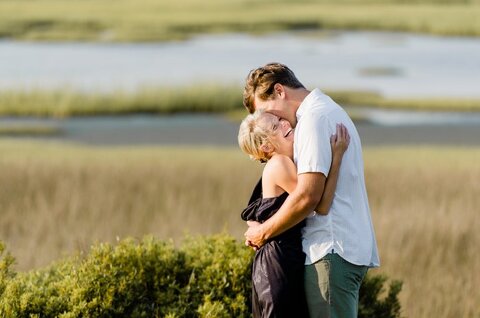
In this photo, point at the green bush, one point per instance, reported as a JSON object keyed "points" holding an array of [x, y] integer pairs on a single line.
{"points": [[370, 304], [205, 277]]}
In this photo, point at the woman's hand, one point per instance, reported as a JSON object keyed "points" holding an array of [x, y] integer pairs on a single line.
{"points": [[340, 141]]}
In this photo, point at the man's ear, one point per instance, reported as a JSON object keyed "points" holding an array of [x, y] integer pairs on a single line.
{"points": [[279, 90], [267, 147]]}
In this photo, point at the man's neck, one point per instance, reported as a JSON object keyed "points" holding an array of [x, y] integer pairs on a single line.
{"points": [[297, 95]]}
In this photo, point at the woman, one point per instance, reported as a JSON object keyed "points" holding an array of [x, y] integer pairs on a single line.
{"points": [[277, 274]]}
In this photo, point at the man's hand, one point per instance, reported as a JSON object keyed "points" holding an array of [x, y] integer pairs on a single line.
{"points": [[254, 236]]}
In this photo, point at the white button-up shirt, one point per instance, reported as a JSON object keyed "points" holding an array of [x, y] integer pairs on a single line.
{"points": [[347, 229]]}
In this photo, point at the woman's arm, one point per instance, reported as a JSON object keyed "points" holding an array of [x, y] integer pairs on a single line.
{"points": [[339, 143]]}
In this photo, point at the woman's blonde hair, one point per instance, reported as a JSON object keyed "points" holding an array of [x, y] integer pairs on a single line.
{"points": [[252, 136]]}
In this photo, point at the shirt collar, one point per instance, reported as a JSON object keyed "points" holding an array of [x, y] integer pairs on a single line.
{"points": [[307, 102]]}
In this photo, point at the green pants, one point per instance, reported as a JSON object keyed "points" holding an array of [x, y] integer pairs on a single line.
{"points": [[331, 286]]}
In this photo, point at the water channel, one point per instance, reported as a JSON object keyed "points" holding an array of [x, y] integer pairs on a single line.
{"points": [[393, 64], [377, 127]]}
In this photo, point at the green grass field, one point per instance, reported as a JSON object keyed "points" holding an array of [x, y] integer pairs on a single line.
{"points": [[158, 20], [57, 199]]}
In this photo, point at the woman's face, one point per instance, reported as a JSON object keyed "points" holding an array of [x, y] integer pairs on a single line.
{"points": [[281, 133]]}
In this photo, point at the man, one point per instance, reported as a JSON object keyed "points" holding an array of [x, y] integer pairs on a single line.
{"points": [[339, 246]]}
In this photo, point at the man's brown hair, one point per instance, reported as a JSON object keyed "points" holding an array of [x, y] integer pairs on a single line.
{"points": [[262, 80]]}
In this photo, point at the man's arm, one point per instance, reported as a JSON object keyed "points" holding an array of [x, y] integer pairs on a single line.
{"points": [[299, 204]]}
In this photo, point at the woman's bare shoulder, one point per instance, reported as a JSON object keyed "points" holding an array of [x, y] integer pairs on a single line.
{"points": [[279, 160], [280, 172], [279, 164]]}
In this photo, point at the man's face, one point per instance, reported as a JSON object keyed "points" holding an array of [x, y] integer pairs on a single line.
{"points": [[278, 107]]}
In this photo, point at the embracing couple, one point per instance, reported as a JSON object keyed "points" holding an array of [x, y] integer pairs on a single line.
{"points": [[309, 218]]}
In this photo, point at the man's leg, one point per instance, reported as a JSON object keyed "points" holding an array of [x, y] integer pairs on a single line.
{"points": [[331, 286], [317, 288], [345, 281]]}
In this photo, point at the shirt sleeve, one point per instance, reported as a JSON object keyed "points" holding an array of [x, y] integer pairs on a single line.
{"points": [[312, 144]]}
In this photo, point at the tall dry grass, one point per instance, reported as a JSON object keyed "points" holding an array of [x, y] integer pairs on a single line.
{"points": [[60, 199], [56, 199], [425, 204]]}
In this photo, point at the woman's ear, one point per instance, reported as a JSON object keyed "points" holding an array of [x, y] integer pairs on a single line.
{"points": [[267, 147]]}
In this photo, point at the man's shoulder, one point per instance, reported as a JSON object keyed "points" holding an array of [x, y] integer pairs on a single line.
{"points": [[319, 109], [324, 112], [312, 118]]}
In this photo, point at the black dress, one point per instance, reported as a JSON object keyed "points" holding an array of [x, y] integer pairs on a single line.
{"points": [[278, 266]]}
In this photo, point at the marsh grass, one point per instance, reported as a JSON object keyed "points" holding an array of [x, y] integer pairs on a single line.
{"points": [[366, 98], [56, 199], [29, 130], [152, 20], [205, 98], [165, 100]]}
